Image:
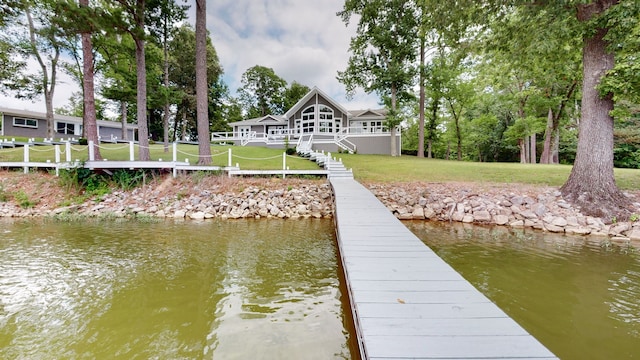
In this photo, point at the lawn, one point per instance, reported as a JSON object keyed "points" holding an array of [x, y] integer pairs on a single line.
{"points": [[380, 168], [374, 168]]}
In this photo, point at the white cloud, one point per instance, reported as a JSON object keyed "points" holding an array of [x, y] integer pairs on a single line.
{"points": [[301, 40]]}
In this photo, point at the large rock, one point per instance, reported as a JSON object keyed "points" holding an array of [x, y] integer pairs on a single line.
{"points": [[501, 219], [482, 216], [418, 213]]}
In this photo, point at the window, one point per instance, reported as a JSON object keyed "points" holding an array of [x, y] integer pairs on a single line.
{"points": [[30, 123], [308, 119], [325, 114], [65, 128]]}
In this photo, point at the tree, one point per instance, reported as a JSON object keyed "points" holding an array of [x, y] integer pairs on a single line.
{"points": [[294, 92], [89, 113], [42, 41], [262, 92], [382, 53], [167, 13], [120, 79], [182, 75], [202, 115], [10, 65], [591, 184], [130, 18]]}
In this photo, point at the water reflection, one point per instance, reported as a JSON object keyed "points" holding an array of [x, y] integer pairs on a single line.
{"points": [[245, 289], [578, 298]]}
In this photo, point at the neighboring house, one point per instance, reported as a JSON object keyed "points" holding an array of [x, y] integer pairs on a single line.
{"points": [[31, 124], [319, 122]]}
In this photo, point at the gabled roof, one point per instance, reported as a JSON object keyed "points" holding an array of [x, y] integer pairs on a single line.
{"points": [[264, 120], [369, 113], [313, 92]]}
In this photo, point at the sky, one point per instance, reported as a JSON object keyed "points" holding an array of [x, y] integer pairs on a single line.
{"points": [[301, 40]]}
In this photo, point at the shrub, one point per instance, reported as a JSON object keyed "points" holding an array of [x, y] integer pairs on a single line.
{"points": [[23, 200]]}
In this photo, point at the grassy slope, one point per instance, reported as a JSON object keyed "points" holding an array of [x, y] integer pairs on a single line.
{"points": [[375, 168], [380, 168]]}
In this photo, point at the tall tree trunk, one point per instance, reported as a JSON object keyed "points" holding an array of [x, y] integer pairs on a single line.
{"points": [[532, 152], [202, 114], [165, 70], [421, 105], [545, 157], [89, 101], [184, 126], [523, 151], [48, 84], [435, 101], [392, 129], [141, 103], [591, 185], [555, 152], [123, 120]]}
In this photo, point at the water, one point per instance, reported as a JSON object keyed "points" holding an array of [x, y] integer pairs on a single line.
{"points": [[194, 290], [580, 299]]}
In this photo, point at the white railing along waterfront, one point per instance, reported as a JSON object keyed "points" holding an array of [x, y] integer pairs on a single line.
{"points": [[58, 152]]}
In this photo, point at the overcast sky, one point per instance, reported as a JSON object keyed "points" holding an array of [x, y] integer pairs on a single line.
{"points": [[301, 40]]}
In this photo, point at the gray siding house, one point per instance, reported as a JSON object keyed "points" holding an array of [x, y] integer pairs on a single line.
{"points": [[318, 120], [31, 124]]}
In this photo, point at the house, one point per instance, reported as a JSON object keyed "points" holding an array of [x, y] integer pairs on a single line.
{"points": [[31, 124], [319, 121]]}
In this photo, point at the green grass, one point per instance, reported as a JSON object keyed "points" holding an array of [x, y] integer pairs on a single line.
{"points": [[375, 168], [380, 168], [248, 157]]}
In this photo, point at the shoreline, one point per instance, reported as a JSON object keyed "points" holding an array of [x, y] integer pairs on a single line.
{"points": [[200, 198]]}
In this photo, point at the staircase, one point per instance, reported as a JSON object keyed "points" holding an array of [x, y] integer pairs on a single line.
{"points": [[335, 167]]}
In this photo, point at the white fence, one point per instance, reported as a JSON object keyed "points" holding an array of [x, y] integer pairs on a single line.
{"points": [[64, 151]]}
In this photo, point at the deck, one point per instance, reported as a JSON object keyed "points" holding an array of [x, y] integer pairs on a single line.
{"points": [[407, 303]]}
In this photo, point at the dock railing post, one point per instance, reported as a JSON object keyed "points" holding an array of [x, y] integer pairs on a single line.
{"points": [[131, 152], [56, 150], [26, 158], [92, 151], [175, 159], [284, 163], [229, 162], [67, 151]]}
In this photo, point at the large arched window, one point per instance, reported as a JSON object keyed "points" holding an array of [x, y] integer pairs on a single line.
{"points": [[325, 115], [308, 119]]}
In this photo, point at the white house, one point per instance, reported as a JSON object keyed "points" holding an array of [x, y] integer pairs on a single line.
{"points": [[320, 121]]}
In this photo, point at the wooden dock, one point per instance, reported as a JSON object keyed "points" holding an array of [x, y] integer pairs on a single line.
{"points": [[407, 303]]}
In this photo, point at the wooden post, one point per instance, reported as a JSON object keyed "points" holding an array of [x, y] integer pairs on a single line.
{"points": [[67, 149], [92, 151], [175, 159], [26, 157], [56, 149], [229, 162], [284, 163], [175, 151], [131, 152]]}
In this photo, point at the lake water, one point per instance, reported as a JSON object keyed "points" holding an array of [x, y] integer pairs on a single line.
{"points": [[580, 299], [188, 290], [270, 289]]}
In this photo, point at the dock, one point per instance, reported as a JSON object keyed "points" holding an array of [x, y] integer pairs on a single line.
{"points": [[406, 302]]}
